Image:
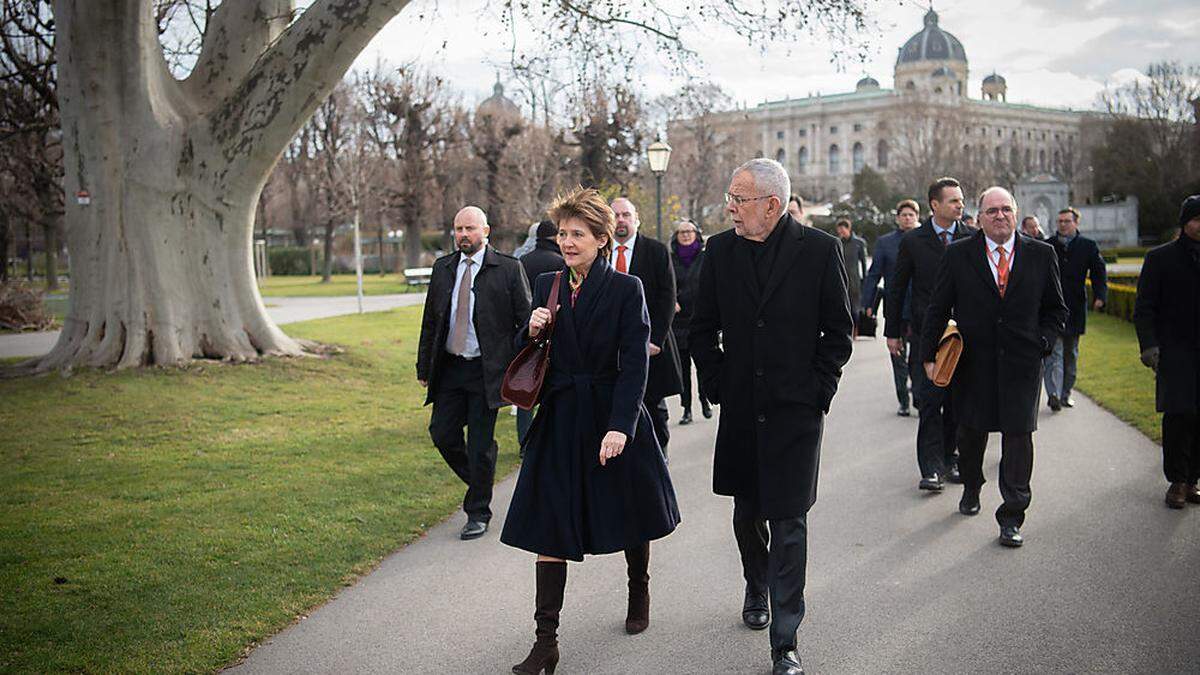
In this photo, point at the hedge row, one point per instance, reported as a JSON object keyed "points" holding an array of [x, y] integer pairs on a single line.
{"points": [[1120, 300]]}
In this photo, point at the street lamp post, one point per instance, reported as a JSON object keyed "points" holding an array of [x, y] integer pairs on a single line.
{"points": [[659, 154]]}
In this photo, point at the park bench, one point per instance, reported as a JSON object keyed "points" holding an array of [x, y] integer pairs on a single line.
{"points": [[418, 276]]}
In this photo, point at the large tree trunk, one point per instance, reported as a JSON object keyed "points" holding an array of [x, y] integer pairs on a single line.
{"points": [[162, 260]]}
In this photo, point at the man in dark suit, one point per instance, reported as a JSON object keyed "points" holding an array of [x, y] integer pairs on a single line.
{"points": [[1004, 293], [1078, 257], [477, 301], [1167, 317], [916, 270], [770, 334], [883, 268], [650, 261], [545, 257]]}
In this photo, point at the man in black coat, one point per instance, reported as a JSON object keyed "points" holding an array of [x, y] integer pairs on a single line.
{"points": [[477, 301], [1167, 317], [916, 269], [770, 335], [1078, 257], [1003, 291], [650, 261], [883, 268], [545, 257]]}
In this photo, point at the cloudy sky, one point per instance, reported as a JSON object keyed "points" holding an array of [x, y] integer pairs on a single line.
{"points": [[1052, 52]]}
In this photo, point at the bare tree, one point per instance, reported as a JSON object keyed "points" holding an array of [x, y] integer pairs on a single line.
{"points": [[702, 157]]}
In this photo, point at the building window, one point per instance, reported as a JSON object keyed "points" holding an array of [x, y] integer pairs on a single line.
{"points": [[857, 127], [835, 160], [1042, 159], [1057, 161], [802, 133], [999, 133], [856, 157], [833, 130], [1014, 159], [781, 156], [937, 90], [1028, 159], [882, 151], [779, 135], [910, 85], [802, 158], [998, 157]]}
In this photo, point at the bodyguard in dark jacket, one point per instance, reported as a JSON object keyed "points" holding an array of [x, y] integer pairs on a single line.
{"points": [[1167, 317], [650, 261], [687, 257], [477, 301], [770, 335], [1078, 257], [1003, 290], [916, 270]]}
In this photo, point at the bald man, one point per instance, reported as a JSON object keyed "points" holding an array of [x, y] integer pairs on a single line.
{"points": [[1004, 293], [478, 299]]}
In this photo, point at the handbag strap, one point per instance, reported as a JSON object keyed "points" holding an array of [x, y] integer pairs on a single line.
{"points": [[552, 305]]}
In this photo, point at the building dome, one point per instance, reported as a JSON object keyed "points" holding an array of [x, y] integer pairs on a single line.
{"points": [[995, 88], [931, 44], [943, 71], [498, 105], [868, 83], [994, 79]]}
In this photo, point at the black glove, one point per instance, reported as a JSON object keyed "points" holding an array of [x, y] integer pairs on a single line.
{"points": [[1150, 358]]}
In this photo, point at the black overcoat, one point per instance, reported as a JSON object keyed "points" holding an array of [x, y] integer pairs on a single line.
{"points": [[687, 281], [916, 270], [565, 503], [1075, 262], [772, 358], [997, 383], [545, 257], [1167, 315], [501, 308], [652, 264]]}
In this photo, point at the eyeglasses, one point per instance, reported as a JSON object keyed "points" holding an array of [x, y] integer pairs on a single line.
{"points": [[739, 200], [992, 212]]}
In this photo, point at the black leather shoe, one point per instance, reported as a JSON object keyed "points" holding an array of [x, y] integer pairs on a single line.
{"points": [[1054, 403], [954, 476], [474, 529], [687, 418], [756, 612], [903, 411], [706, 410], [932, 483], [1068, 402], [786, 662], [969, 504], [1010, 536]]}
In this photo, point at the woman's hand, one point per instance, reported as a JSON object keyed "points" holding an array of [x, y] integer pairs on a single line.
{"points": [[538, 321], [612, 445]]}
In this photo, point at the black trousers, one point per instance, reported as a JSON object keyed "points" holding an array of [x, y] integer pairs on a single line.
{"points": [[936, 429], [1016, 468], [459, 401], [658, 420], [685, 361], [1181, 447], [775, 561], [900, 372]]}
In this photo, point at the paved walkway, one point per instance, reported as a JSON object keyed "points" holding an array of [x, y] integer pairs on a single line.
{"points": [[899, 582], [282, 310]]}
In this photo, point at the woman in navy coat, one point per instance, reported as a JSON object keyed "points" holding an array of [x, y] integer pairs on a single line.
{"points": [[593, 479]]}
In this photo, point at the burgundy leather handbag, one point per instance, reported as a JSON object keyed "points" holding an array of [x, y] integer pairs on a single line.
{"points": [[523, 380]]}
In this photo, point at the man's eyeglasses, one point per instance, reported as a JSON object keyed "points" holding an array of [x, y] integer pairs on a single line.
{"points": [[739, 200], [995, 210]]}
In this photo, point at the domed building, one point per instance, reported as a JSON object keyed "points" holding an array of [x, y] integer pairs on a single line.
{"points": [[498, 105], [824, 140]]}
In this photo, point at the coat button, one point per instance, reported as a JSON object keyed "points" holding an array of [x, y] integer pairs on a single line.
{"points": [[762, 418], [758, 372], [760, 323]]}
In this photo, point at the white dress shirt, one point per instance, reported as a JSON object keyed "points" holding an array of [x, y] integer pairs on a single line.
{"points": [[993, 257], [612, 258], [471, 350]]}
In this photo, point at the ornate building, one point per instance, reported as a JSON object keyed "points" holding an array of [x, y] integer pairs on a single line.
{"points": [[927, 126]]}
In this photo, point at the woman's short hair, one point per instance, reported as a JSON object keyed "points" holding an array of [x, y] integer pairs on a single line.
{"points": [[587, 205]]}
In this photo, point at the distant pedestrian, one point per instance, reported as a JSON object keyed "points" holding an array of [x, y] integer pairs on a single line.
{"points": [[1078, 259], [594, 480], [770, 335], [1003, 291], [650, 261], [854, 257], [1030, 227], [687, 256], [527, 245], [1167, 317], [921, 252], [477, 301], [968, 222], [883, 268], [795, 209]]}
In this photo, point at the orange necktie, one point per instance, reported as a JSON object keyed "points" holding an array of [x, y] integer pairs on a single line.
{"points": [[1001, 270], [621, 264]]}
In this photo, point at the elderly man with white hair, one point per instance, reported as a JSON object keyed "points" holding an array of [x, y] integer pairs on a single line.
{"points": [[770, 334], [1004, 293]]}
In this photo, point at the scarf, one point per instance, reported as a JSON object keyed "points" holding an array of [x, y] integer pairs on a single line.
{"points": [[575, 281], [687, 254]]}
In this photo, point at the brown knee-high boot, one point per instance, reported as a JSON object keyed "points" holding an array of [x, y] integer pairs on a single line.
{"points": [[637, 619], [551, 580]]}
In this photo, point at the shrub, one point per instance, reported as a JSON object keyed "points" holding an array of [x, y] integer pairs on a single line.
{"points": [[1120, 300], [1125, 252], [290, 260], [22, 308]]}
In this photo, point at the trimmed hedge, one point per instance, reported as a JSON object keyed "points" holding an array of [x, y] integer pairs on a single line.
{"points": [[289, 260], [1120, 300], [1126, 251]]}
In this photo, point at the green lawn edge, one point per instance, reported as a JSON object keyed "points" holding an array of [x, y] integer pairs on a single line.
{"points": [[170, 519], [1111, 374]]}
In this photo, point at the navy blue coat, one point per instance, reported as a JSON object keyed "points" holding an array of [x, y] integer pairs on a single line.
{"points": [[883, 268], [1075, 263], [565, 503]]}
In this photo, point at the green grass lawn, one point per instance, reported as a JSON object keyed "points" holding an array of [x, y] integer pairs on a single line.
{"points": [[340, 284], [1111, 373], [164, 520]]}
